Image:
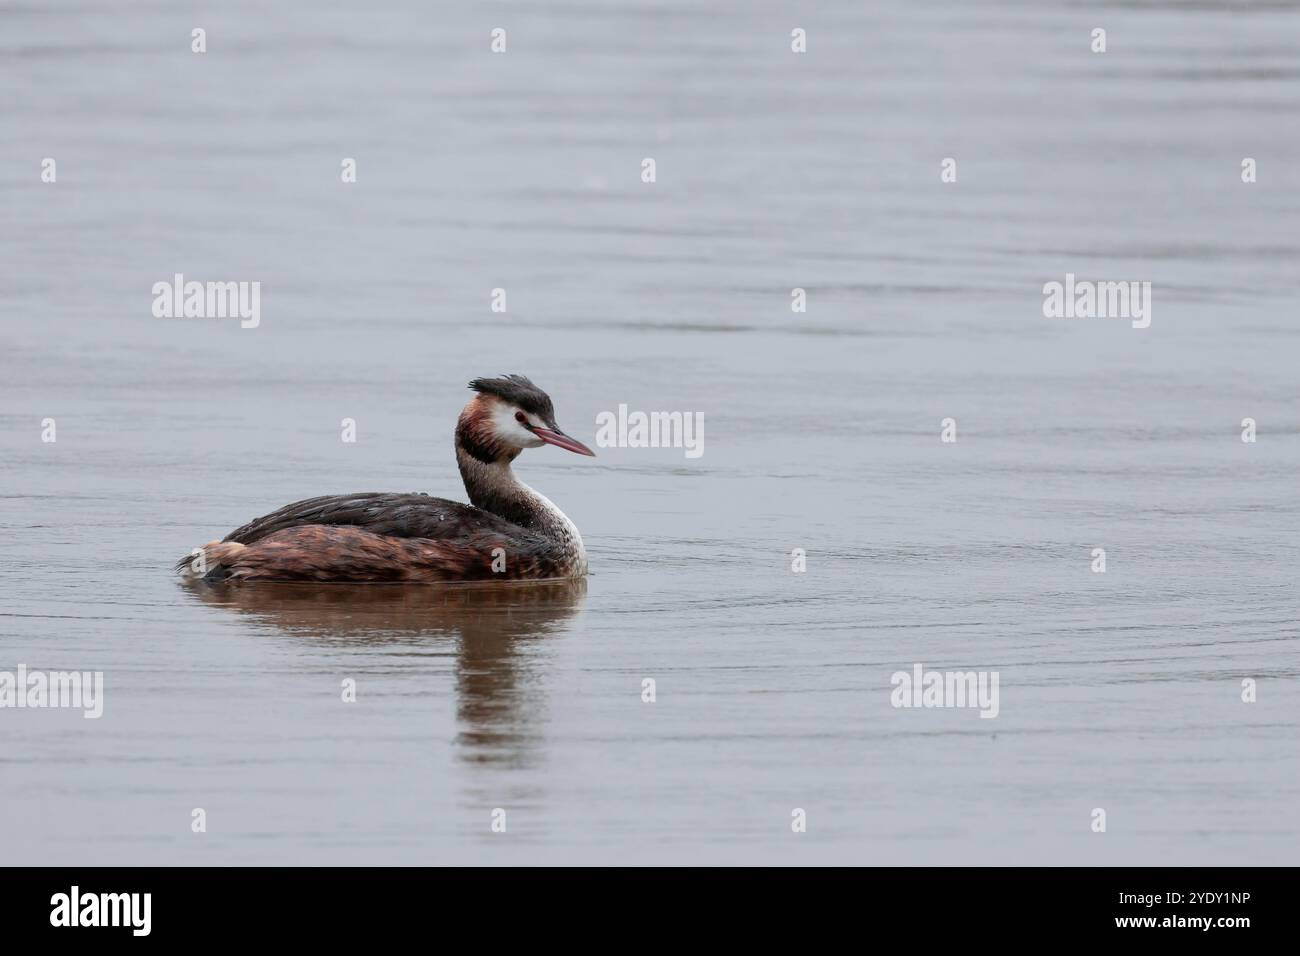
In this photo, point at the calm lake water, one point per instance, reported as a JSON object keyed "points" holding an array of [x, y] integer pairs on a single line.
{"points": [[775, 170]]}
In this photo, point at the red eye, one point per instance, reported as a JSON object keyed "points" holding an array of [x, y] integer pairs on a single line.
{"points": [[521, 418]]}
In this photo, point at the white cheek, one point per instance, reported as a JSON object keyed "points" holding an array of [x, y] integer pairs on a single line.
{"points": [[509, 430]]}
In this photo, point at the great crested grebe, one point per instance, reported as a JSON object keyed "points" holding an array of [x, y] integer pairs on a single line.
{"points": [[510, 533]]}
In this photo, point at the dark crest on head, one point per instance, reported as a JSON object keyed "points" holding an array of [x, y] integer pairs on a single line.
{"points": [[518, 390]]}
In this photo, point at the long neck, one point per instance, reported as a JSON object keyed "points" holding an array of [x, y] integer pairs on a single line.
{"points": [[492, 486]]}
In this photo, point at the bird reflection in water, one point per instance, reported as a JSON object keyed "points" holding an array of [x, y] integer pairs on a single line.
{"points": [[489, 623]]}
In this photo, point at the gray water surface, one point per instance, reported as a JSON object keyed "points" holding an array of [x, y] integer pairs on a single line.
{"points": [[1120, 691]]}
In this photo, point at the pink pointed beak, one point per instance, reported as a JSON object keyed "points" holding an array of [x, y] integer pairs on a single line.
{"points": [[561, 440]]}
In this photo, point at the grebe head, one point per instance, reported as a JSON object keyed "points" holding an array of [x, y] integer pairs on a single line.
{"points": [[508, 415]]}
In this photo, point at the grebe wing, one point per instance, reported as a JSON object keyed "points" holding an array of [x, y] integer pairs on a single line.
{"points": [[393, 515]]}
